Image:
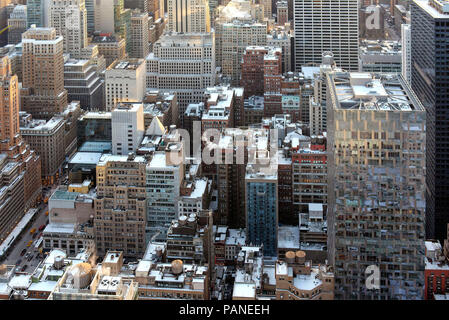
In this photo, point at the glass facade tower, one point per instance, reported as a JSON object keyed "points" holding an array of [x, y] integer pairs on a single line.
{"points": [[376, 186]]}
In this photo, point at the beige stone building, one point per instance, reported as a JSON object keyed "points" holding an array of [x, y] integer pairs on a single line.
{"points": [[47, 138], [162, 281], [124, 82], [69, 18], [139, 35], [12, 146], [43, 73], [84, 281], [110, 47], [70, 225], [120, 206]]}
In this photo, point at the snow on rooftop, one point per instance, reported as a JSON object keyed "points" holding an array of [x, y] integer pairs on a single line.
{"points": [[86, 158], [158, 160], [281, 268], [45, 286], [288, 237], [67, 228], [50, 259], [21, 281], [244, 290], [307, 282]]}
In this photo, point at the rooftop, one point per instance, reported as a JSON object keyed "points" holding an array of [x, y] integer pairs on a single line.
{"points": [[42, 125], [436, 8], [86, 158], [288, 237], [130, 64], [105, 158], [307, 282], [244, 290], [372, 91]]}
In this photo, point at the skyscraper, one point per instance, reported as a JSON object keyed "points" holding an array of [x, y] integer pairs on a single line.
{"points": [[43, 92], [139, 35], [69, 18], [127, 127], [35, 13], [184, 63], [38, 13], [90, 15], [261, 190], [406, 52], [188, 16], [17, 22], [121, 199], [112, 17], [327, 25], [20, 173], [376, 186], [164, 179], [429, 33], [124, 82], [236, 28]]}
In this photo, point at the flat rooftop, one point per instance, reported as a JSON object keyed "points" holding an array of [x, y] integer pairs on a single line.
{"points": [[42, 125], [372, 91], [64, 195], [130, 64], [105, 158], [86, 158], [438, 9], [288, 237]]}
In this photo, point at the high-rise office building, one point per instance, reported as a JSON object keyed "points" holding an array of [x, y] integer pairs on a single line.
{"points": [[112, 48], [234, 38], [272, 82], [261, 190], [376, 186], [328, 25], [46, 137], [127, 127], [282, 12], [282, 39], [184, 63], [380, 56], [120, 206], [164, 178], [252, 79], [406, 52], [20, 173], [17, 23], [43, 92], [188, 16], [125, 82], [69, 18], [137, 4], [140, 47], [429, 32], [237, 27], [90, 15], [36, 13], [83, 84], [317, 103], [112, 17], [5, 6], [267, 8]]}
